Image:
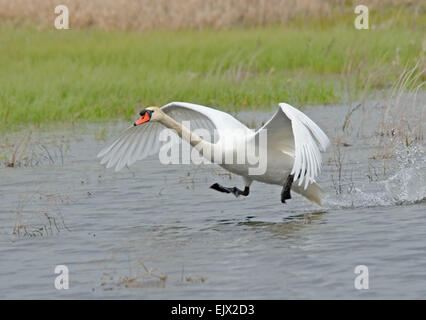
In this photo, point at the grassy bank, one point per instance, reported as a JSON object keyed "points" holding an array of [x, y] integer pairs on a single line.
{"points": [[65, 76]]}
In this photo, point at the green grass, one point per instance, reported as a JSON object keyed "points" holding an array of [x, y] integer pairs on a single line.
{"points": [[65, 76]]}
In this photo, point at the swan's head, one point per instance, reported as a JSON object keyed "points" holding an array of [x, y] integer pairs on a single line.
{"points": [[149, 114]]}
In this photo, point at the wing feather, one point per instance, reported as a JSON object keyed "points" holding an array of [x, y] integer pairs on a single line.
{"points": [[105, 153], [309, 141], [292, 132], [123, 156]]}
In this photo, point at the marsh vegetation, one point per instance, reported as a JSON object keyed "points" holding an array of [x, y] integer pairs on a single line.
{"points": [[101, 71]]}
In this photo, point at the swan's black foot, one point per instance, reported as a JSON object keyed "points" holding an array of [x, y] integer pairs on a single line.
{"points": [[234, 190], [285, 193]]}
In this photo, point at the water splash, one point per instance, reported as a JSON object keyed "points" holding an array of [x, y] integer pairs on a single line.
{"points": [[358, 198], [408, 184], [405, 184]]}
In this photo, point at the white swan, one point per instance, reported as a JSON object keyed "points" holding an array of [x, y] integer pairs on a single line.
{"points": [[293, 145]]}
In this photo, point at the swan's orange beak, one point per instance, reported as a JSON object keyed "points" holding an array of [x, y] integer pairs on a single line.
{"points": [[144, 118]]}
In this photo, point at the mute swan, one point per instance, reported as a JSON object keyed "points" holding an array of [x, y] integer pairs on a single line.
{"points": [[293, 145]]}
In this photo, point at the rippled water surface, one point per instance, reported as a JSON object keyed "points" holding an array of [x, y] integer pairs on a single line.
{"points": [[156, 231]]}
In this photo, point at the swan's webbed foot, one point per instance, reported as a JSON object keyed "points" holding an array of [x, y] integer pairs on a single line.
{"points": [[285, 193], [234, 190]]}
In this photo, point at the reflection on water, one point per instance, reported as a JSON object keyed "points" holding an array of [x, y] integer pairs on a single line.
{"points": [[288, 228], [155, 231]]}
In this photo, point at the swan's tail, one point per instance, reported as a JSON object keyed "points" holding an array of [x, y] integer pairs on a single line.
{"points": [[313, 192]]}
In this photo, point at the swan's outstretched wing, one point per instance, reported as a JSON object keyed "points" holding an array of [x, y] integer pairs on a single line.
{"points": [[292, 132], [135, 143], [139, 142]]}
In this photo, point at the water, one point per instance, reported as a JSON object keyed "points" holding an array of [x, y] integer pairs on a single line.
{"points": [[159, 232]]}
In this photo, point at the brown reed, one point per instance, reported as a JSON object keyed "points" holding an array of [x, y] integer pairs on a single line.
{"points": [[178, 14]]}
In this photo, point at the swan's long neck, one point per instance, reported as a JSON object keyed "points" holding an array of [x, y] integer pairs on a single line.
{"points": [[185, 134]]}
